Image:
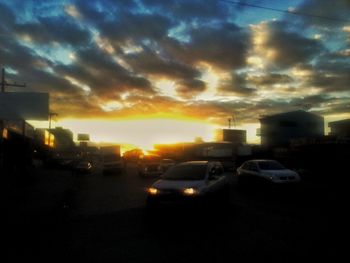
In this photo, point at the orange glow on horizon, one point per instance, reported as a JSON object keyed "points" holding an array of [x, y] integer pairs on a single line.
{"points": [[142, 132]]}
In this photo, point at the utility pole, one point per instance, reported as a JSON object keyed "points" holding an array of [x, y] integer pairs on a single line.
{"points": [[5, 84], [51, 114]]}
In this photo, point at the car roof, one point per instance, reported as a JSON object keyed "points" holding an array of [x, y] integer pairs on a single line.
{"points": [[262, 160], [195, 163]]}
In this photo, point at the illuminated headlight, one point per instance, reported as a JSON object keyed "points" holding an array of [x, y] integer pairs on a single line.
{"points": [[190, 191], [153, 191]]}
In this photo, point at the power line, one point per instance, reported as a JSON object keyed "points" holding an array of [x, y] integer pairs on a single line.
{"points": [[285, 11]]}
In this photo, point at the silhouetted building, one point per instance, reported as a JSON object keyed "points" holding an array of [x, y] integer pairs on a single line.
{"points": [[63, 139], [278, 130], [16, 146], [231, 135], [44, 137], [340, 129]]}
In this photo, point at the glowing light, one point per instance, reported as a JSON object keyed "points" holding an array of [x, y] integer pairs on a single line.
{"points": [[211, 78], [166, 87], [189, 191], [72, 56], [77, 83], [143, 133], [255, 61], [346, 29], [152, 191], [111, 106]]}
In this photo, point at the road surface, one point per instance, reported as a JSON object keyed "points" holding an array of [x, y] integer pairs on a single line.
{"points": [[104, 219]]}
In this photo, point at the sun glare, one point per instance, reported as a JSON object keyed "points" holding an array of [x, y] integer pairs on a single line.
{"points": [[143, 133]]}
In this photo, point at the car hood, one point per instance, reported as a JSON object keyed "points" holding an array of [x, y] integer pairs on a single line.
{"points": [[178, 185]]}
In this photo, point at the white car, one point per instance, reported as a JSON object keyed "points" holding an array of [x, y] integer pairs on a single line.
{"points": [[190, 181], [255, 171]]}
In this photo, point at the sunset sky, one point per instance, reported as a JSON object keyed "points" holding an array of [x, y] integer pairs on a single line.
{"points": [[149, 71]]}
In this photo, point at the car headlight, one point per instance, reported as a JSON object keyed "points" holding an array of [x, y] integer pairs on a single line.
{"points": [[153, 191], [190, 191]]}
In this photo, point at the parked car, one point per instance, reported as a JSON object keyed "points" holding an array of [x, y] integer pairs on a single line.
{"points": [[265, 171], [194, 180], [150, 166], [83, 167], [166, 164]]}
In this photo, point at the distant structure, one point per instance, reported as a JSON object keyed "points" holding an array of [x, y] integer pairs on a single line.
{"points": [[83, 140], [231, 135], [63, 139], [340, 129], [278, 130]]}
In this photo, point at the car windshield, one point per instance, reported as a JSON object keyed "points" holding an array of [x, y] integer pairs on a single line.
{"points": [[270, 165], [186, 172]]}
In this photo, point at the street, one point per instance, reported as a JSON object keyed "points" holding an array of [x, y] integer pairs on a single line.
{"points": [[105, 219]]}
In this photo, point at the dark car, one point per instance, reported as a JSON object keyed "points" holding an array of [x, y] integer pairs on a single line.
{"points": [[150, 166], [265, 171], [83, 167], [190, 181]]}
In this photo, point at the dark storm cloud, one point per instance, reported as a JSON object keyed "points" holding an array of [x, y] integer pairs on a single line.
{"points": [[7, 18], [325, 104], [189, 10], [224, 46], [236, 85], [102, 74], [175, 40], [338, 107], [98, 11], [150, 62], [135, 27], [330, 82], [330, 73], [71, 105], [190, 88], [48, 30], [290, 47], [270, 79], [32, 68], [339, 9]]}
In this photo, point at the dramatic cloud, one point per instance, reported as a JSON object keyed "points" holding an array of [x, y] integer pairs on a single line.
{"points": [[203, 59], [282, 47], [48, 30]]}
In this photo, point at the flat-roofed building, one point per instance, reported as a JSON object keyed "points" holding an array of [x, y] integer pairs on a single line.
{"points": [[340, 129], [279, 129]]}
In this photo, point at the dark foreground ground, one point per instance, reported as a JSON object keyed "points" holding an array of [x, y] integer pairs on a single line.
{"points": [[56, 216]]}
